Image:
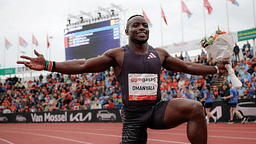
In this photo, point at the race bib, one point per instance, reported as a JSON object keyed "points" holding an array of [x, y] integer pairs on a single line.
{"points": [[142, 87]]}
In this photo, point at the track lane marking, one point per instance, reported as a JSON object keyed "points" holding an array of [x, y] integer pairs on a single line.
{"points": [[229, 137], [49, 136], [156, 140], [6, 141]]}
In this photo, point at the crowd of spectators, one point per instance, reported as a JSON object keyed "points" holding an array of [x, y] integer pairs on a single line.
{"points": [[101, 90]]}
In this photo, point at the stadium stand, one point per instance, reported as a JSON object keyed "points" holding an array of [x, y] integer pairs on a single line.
{"points": [[101, 90]]}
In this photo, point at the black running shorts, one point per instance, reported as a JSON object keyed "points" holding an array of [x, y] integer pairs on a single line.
{"points": [[135, 124]]}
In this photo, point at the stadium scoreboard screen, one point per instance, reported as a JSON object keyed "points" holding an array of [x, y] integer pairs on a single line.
{"points": [[91, 40]]}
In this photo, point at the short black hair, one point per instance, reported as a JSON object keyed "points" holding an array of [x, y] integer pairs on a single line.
{"points": [[134, 16]]}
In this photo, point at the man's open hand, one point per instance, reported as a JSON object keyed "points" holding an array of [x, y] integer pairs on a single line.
{"points": [[37, 64]]}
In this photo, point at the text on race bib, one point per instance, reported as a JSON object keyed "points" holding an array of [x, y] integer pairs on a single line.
{"points": [[142, 87]]}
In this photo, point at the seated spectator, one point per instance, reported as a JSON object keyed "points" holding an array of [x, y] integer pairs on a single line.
{"points": [[246, 76], [249, 55], [186, 93], [251, 90], [214, 79], [169, 95], [193, 93], [245, 95], [110, 104], [95, 104]]}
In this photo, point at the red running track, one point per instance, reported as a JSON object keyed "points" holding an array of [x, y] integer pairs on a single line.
{"points": [[110, 133]]}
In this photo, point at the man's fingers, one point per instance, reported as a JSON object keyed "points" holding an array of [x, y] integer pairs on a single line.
{"points": [[27, 64], [26, 57], [20, 62], [23, 62], [37, 54]]}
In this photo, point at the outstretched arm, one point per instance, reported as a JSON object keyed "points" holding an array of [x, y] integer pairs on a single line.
{"points": [[97, 64], [176, 65]]}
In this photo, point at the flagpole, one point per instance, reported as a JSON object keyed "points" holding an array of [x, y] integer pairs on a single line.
{"points": [[182, 33], [46, 46], [4, 53], [18, 49], [254, 13], [227, 14], [204, 20], [32, 45], [31, 55], [254, 47], [49, 51], [161, 27]]}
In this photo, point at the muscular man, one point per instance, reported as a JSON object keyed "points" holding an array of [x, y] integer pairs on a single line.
{"points": [[137, 67]]}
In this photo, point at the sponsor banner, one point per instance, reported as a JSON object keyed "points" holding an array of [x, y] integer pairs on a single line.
{"points": [[7, 71], [184, 46], [247, 107], [246, 34], [97, 115], [219, 109]]}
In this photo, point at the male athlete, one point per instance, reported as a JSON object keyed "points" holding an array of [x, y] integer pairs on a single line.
{"points": [[137, 67]]}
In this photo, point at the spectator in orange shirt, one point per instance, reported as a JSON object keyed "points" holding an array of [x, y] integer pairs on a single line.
{"points": [[6, 102], [175, 83], [201, 81], [13, 108]]}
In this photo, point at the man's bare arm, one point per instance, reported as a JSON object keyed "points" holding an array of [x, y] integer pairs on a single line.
{"points": [[176, 65], [97, 64]]}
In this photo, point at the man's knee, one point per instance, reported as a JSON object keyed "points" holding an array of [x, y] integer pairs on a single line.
{"points": [[196, 109]]}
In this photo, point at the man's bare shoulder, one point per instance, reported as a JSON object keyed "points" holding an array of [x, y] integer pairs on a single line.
{"points": [[162, 52], [113, 52]]}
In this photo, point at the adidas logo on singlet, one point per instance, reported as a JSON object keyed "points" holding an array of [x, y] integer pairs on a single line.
{"points": [[151, 55]]}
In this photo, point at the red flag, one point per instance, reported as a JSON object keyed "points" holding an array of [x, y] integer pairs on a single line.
{"points": [[147, 19], [208, 6], [7, 44], [48, 44], [34, 41], [23, 42], [164, 16], [185, 9]]}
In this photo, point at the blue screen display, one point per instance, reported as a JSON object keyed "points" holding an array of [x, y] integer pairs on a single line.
{"points": [[91, 40]]}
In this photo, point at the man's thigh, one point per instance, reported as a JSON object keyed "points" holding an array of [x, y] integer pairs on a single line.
{"points": [[180, 110], [157, 119]]}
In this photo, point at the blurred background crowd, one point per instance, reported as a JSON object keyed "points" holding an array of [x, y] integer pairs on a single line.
{"points": [[101, 90]]}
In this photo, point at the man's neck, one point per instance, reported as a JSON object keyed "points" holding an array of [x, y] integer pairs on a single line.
{"points": [[139, 49]]}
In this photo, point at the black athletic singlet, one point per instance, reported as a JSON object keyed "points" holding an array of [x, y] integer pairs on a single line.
{"points": [[133, 63]]}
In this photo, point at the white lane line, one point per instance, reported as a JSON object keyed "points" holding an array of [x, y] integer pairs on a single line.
{"points": [[210, 129], [6, 141], [227, 137], [49, 136], [233, 137], [232, 131], [108, 135]]}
